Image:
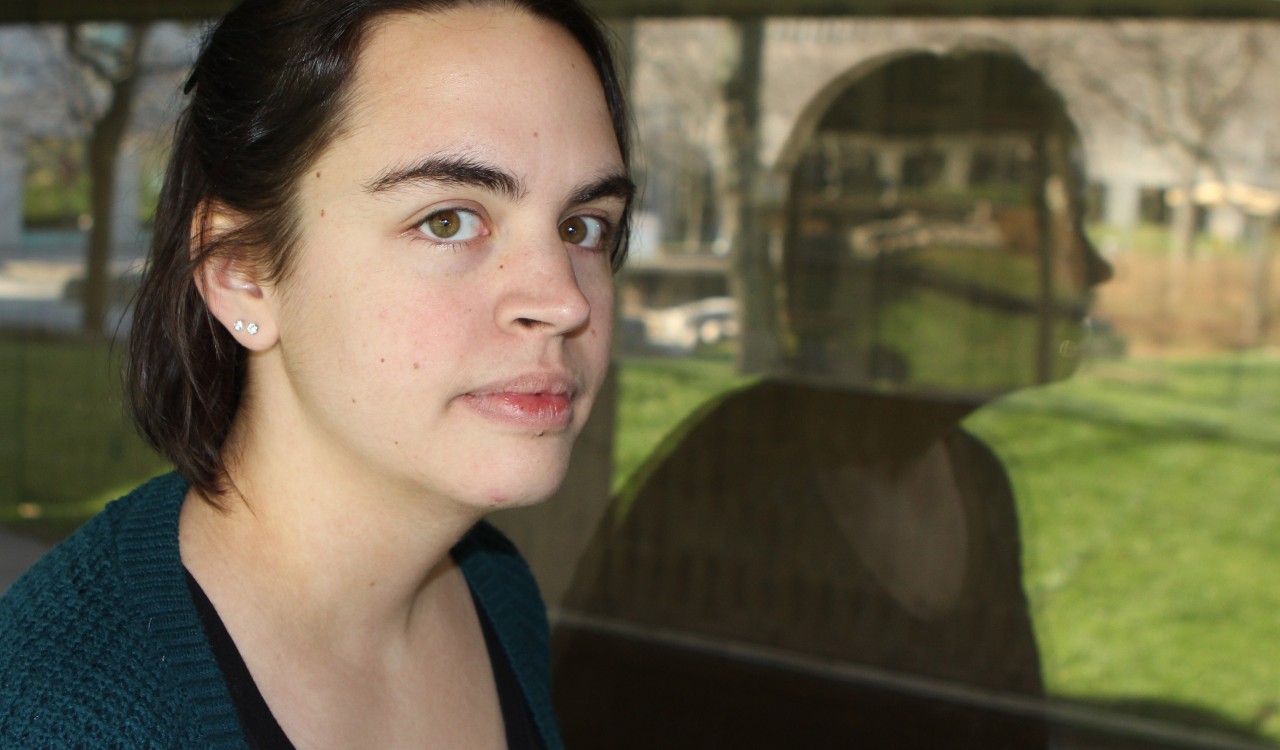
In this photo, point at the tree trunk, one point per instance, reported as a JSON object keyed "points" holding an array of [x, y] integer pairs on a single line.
{"points": [[752, 279], [1257, 317], [1181, 242], [1046, 317], [693, 186], [104, 149]]}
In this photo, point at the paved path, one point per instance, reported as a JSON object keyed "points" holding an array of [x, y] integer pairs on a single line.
{"points": [[17, 553], [34, 275]]}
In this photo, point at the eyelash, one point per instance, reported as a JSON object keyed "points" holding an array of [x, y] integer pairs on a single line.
{"points": [[469, 218]]}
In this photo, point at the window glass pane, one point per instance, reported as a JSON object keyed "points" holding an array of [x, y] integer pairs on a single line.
{"points": [[945, 400], [944, 416], [85, 111]]}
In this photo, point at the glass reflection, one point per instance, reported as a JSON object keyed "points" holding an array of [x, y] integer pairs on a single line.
{"points": [[826, 555], [934, 241]]}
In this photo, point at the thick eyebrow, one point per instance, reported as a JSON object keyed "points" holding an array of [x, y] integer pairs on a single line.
{"points": [[449, 170], [612, 186]]}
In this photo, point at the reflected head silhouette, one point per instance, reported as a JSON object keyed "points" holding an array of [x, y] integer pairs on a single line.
{"points": [[827, 558], [934, 232]]}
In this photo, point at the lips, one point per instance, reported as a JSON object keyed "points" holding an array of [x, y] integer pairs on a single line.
{"points": [[537, 401]]}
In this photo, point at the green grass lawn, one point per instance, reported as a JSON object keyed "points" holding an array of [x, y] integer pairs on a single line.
{"points": [[65, 447], [1147, 490], [1151, 522], [1148, 494]]}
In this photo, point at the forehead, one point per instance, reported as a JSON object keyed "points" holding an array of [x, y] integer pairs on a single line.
{"points": [[477, 78], [453, 39]]}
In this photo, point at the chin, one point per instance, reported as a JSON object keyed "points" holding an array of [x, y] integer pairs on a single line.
{"points": [[523, 480], [497, 498]]}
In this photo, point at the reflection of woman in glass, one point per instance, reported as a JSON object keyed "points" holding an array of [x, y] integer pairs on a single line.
{"points": [[826, 559], [378, 307]]}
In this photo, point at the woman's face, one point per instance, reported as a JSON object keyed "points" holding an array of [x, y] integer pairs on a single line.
{"points": [[445, 325]]}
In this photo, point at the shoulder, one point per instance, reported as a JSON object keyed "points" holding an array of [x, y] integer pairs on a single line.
{"points": [[76, 576], [76, 581], [727, 428], [72, 663], [977, 464]]}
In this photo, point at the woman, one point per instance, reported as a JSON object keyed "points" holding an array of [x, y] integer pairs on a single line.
{"points": [[378, 307]]}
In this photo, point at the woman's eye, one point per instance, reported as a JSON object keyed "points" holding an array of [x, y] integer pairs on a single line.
{"points": [[452, 225], [585, 231]]}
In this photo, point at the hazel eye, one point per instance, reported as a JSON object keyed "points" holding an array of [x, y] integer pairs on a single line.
{"points": [[452, 224], [585, 231]]}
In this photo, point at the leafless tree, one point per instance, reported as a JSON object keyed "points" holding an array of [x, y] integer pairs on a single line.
{"points": [[1181, 87], [104, 75], [681, 111], [710, 80]]}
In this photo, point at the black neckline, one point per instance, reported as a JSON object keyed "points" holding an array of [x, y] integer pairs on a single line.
{"points": [[263, 732]]}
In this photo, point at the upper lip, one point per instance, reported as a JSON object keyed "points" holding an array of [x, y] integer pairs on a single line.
{"points": [[554, 383]]}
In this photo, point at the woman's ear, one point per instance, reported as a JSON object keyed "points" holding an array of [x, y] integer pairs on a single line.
{"points": [[229, 284]]}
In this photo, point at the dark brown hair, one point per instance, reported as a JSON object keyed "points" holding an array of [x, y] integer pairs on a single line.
{"points": [[268, 94]]}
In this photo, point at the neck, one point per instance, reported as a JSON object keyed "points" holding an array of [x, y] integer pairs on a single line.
{"points": [[310, 547]]}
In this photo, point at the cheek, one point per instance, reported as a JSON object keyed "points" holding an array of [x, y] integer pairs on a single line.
{"points": [[595, 279], [598, 289], [428, 327]]}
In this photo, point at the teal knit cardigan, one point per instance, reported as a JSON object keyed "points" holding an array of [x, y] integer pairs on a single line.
{"points": [[101, 646]]}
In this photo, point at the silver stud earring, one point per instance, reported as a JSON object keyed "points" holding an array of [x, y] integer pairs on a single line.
{"points": [[253, 328], [239, 326]]}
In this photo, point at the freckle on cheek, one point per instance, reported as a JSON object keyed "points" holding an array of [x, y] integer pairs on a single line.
{"points": [[322, 213], [417, 366]]}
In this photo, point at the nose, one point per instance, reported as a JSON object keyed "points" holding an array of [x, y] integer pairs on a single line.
{"points": [[541, 290], [1096, 268]]}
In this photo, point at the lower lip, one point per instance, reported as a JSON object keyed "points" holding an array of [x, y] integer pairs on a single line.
{"points": [[538, 411]]}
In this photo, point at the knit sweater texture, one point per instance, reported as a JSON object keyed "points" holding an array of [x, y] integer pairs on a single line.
{"points": [[101, 645]]}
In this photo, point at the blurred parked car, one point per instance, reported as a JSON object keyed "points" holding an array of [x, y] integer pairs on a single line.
{"points": [[685, 327]]}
